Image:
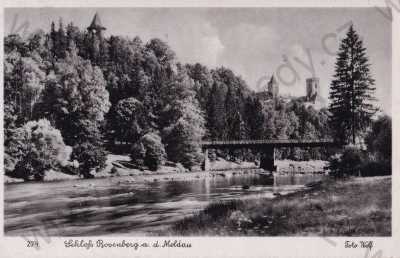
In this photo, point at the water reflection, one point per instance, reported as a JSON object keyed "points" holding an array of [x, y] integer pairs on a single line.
{"points": [[102, 206]]}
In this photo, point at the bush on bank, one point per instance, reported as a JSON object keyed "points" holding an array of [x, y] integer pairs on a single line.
{"points": [[375, 160], [353, 161], [149, 151], [35, 148]]}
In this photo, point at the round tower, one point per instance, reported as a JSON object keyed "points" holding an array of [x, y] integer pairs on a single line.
{"points": [[273, 88], [312, 88]]}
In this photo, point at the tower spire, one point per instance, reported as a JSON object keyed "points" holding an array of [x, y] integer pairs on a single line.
{"points": [[96, 26]]}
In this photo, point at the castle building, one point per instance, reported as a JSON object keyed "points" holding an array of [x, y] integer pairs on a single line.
{"points": [[312, 89], [270, 92], [273, 87]]}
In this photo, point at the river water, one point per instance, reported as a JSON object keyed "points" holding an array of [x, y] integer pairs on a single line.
{"points": [[109, 207]]}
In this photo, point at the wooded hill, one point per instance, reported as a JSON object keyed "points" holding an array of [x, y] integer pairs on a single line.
{"points": [[97, 91]]}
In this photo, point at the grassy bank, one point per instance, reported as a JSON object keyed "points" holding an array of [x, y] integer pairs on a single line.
{"points": [[355, 207]]}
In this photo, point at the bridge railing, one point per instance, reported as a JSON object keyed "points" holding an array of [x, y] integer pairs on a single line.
{"points": [[266, 142]]}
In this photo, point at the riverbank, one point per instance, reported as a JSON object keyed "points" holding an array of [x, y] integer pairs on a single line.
{"points": [[128, 172], [353, 207]]}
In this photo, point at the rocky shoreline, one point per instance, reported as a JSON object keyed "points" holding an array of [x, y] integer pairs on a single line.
{"points": [[123, 172]]}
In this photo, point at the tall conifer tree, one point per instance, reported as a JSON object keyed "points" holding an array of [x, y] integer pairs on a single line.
{"points": [[351, 90], [233, 117], [216, 113]]}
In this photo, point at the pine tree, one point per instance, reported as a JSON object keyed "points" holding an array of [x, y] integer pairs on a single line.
{"points": [[351, 91], [61, 43], [53, 40], [254, 118], [233, 116], [216, 113]]}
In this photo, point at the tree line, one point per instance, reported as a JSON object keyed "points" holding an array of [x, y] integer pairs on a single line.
{"points": [[70, 96]]}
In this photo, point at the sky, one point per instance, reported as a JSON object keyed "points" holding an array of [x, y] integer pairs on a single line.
{"points": [[291, 43]]}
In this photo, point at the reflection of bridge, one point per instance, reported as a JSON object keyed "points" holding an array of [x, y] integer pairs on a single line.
{"points": [[266, 147]]}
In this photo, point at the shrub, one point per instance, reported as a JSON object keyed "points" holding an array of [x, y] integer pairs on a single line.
{"points": [[138, 153], [129, 120], [376, 168], [348, 162], [149, 151], [155, 152], [90, 157], [379, 139], [114, 170], [35, 148]]}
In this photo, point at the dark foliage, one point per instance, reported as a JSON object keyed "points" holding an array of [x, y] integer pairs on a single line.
{"points": [[90, 157], [351, 91], [349, 162], [379, 139]]}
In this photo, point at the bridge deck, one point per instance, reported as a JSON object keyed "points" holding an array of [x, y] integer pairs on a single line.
{"points": [[268, 143]]}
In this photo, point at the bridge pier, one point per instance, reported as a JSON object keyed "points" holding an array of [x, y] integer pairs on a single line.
{"points": [[266, 148], [206, 163], [267, 159]]}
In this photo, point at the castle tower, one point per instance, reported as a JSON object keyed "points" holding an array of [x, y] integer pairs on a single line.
{"points": [[96, 37], [273, 88], [312, 88], [96, 28]]}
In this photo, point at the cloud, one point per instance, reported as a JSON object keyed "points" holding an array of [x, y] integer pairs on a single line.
{"points": [[194, 41], [251, 38], [208, 50], [249, 49], [199, 42]]}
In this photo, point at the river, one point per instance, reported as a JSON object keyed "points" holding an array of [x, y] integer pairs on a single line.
{"points": [[104, 207]]}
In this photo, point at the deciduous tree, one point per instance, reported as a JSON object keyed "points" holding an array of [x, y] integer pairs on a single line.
{"points": [[35, 148]]}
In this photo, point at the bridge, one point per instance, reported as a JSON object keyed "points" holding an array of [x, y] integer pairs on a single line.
{"points": [[266, 147]]}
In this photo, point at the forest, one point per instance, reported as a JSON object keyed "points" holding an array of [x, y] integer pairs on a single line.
{"points": [[72, 96]]}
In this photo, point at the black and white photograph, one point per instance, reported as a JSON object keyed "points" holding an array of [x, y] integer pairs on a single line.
{"points": [[197, 122]]}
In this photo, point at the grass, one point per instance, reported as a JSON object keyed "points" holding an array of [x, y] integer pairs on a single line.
{"points": [[353, 207]]}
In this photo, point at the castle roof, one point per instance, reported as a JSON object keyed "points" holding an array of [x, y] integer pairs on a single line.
{"points": [[96, 23]]}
